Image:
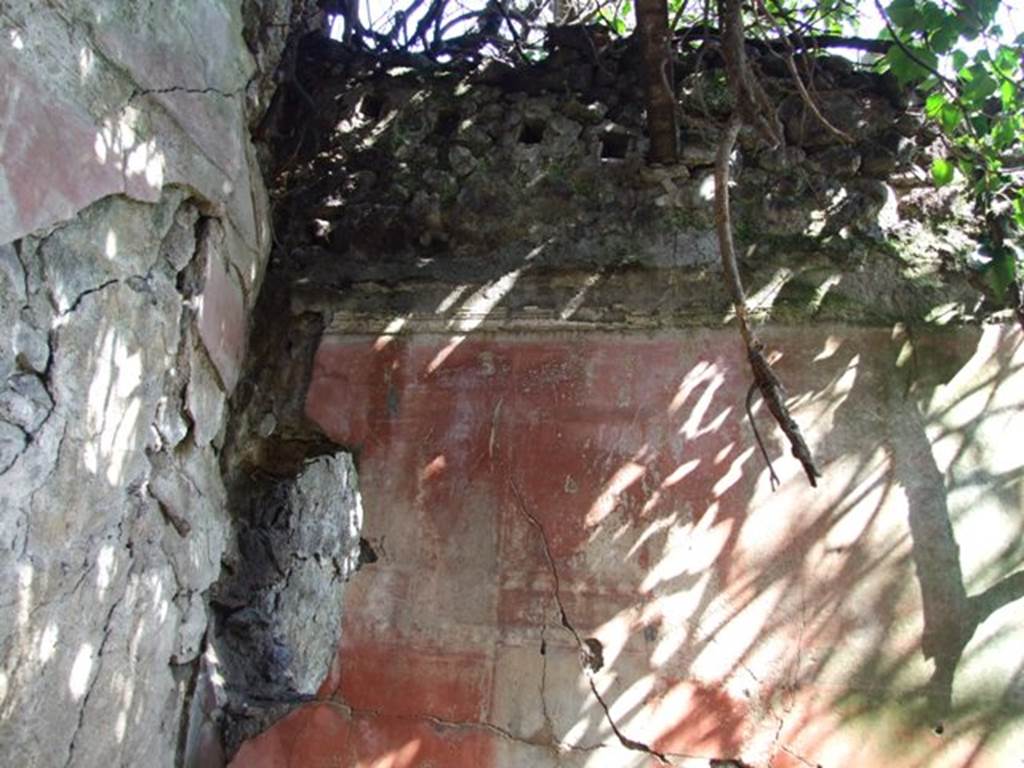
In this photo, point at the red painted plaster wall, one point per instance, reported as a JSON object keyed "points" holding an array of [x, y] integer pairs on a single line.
{"points": [[784, 628]]}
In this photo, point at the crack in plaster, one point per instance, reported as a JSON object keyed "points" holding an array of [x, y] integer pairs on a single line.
{"points": [[797, 756], [63, 595], [30, 435], [185, 131], [136, 93], [788, 690], [120, 69], [549, 726], [27, 437], [16, 247], [584, 649], [43, 483], [81, 297], [482, 725], [99, 668], [739, 663], [780, 722]]}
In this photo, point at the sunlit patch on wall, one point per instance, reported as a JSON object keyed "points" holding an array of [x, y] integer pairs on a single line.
{"points": [[86, 61], [48, 643], [389, 332], [113, 408], [81, 669]]}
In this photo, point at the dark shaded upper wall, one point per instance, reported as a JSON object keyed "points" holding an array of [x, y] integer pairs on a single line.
{"points": [[532, 183]]}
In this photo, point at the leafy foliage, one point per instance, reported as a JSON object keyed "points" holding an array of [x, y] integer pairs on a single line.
{"points": [[956, 52], [959, 54]]}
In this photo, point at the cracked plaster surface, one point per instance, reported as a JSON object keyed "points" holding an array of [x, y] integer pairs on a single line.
{"points": [[135, 232], [589, 662], [729, 628], [102, 583], [131, 90]]}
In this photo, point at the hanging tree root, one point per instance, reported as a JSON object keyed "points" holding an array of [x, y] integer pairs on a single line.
{"points": [[752, 103], [765, 380]]}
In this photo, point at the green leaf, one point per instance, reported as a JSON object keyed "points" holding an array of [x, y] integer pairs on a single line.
{"points": [[904, 13], [932, 17], [979, 86], [934, 104], [1003, 134], [1008, 96], [1007, 60], [986, 10], [1002, 272], [907, 69], [944, 39], [980, 123], [942, 171], [950, 117], [1018, 210]]}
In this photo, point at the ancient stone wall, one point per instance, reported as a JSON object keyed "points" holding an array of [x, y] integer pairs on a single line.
{"points": [[135, 233], [406, 182]]}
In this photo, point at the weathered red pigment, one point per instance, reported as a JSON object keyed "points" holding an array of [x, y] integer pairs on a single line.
{"points": [[222, 320], [41, 125], [732, 620], [326, 736]]}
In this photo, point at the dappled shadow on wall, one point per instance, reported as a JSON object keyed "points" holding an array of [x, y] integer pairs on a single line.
{"points": [[68, 159], [74, 508], [580, 557]]}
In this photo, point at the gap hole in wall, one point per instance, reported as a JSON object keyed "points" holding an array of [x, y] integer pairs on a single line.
{"points": [[532, 132], [367, 554], [614, 146], [372, 106], [447, 122]]}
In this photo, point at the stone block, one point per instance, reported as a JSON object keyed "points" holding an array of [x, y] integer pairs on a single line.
{"points": [[222, 319]]}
